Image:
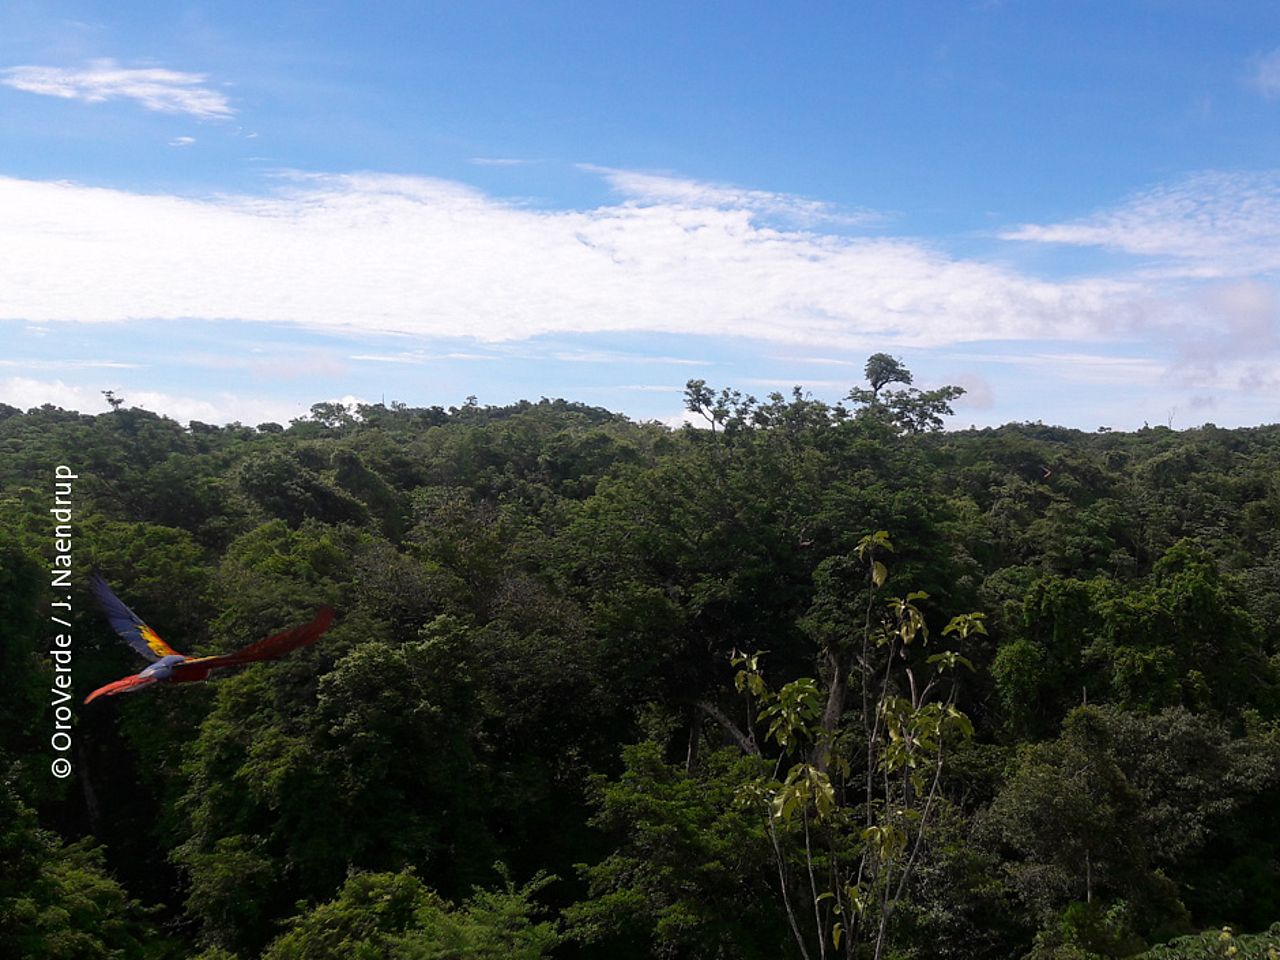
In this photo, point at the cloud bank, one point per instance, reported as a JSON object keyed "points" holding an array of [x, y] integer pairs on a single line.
{"points": [[436, 258]]}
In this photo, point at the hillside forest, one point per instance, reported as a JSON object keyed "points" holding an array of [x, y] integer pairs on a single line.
{"points": [[800, 680]]}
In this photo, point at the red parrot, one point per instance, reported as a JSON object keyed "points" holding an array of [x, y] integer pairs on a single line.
{"points": [[169, 666]]}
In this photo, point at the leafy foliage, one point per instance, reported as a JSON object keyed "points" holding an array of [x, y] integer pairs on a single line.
{"points": [[394, 917]]}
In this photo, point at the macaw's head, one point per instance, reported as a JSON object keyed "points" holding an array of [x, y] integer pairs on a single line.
{"points": [[163, 668]]}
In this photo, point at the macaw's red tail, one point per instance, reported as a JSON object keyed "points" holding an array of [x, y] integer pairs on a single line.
{"points": [[120, 686]]}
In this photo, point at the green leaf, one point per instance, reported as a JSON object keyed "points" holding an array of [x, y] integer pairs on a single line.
{"points": [[948, 660]]}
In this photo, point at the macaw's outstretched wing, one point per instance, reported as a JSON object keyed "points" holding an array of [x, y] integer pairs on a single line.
{"points": [[128, 624], [272, 647], [120, 686]]}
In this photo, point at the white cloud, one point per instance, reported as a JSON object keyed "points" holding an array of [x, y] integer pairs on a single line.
{"points": [[182, 141], [1257, 378], [436, 258], [684, 418], [1204, 226], [155, 88], [978, 392], [659, 189], [225, 407], [1210, 245], [1264, 74]]}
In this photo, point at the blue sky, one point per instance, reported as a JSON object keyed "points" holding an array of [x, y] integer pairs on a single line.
{"points": [[232, 211]]}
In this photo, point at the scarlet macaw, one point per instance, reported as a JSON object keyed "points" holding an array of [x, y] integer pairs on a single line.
{"points": [[169, 666]]}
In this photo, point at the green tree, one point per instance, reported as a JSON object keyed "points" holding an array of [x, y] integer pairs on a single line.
{"points": [[1079, 854], [57, 900], [882, 370], [393, 916], [908, 411], [842, 813]]}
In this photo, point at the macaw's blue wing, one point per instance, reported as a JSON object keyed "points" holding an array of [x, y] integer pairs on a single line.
{"points": [[128, 624]]}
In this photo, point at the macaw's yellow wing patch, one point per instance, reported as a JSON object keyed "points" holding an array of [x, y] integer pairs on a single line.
{"points": [[128, 624]]}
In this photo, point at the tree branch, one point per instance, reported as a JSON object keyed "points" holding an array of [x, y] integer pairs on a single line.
{"points": [[740, 738]]}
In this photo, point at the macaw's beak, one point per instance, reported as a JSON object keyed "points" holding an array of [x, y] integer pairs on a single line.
{"points": [[120, 686]]}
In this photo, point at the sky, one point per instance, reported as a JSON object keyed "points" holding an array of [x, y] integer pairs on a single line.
{"points": [[231, 211]]}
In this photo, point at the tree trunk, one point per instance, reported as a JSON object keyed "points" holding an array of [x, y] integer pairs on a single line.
{"points": [[839, 667], [695, 737]]}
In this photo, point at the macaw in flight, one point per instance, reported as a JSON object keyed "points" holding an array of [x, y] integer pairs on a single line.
{"points": [[169, 666]]}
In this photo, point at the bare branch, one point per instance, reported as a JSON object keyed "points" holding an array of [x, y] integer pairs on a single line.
{"points": [[741, 739]]}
